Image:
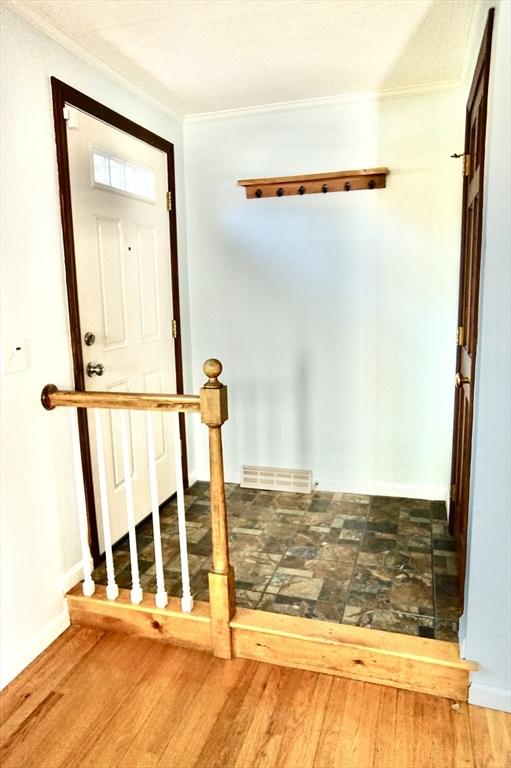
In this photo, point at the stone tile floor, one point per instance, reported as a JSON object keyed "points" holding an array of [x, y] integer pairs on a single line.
{"points": [[371, 561]]}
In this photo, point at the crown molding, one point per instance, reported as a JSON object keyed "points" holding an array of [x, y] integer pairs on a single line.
{"points": [[25, 10], [325, 101]]}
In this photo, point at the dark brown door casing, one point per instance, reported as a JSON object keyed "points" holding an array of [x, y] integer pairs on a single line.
{"points": [[64, 94], [468, 310]]}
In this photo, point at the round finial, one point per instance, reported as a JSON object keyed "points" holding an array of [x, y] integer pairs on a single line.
{"points": [[212, 368]]}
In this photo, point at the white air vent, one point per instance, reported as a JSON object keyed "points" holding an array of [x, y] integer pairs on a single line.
{"points": [[271, 479]]}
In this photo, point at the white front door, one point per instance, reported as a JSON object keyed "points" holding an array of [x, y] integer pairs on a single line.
{"points": [[122, 252]]}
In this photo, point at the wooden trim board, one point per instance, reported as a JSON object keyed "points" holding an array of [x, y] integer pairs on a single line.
{"points": [[360, 637], [385, 658], [314, 176], [192, 630]]}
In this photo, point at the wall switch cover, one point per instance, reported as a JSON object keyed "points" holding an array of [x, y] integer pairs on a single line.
{"points": [[15, 356]]}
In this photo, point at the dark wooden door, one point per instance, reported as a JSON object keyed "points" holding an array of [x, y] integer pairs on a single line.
{"points": [[471, 235]]}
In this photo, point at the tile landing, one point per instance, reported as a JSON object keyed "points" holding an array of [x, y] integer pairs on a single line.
{"points": [[370, 561]]}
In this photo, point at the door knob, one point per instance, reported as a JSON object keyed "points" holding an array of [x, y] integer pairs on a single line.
{"points": [[95, 368], [459, 380]]}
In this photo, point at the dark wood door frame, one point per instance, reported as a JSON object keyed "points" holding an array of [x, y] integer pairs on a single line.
{"points": [[468, 302], [64, 94]]}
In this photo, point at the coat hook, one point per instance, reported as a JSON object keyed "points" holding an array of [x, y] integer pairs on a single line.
{"points": [[259, 193], [371, 184], [324, 188], [301, 191], [280, 192], [347, 186]]}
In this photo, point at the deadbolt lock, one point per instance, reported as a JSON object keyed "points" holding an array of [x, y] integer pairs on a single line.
{"points": [[89, 338]]}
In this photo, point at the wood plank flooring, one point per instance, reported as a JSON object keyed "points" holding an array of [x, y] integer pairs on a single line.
{"points": [[104, 700]]}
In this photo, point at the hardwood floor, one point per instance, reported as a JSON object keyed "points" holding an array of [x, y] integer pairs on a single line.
{"points": [[105, 700]]}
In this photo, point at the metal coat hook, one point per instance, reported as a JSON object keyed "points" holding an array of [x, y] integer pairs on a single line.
{"points": [[280, 192], [371, 184], [324, 188], [347, 186], [259, 193], [301, 191]]}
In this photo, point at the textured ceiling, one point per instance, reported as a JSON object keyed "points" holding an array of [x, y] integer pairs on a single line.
{"points": [[208, 55]]}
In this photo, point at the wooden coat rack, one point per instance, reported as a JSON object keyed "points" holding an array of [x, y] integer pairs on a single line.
{"points": [[339, 181]]}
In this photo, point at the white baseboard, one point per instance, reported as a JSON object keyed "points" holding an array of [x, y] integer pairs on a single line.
{"points": [[401, 490], [482, 695], [193, 477], [71, 577], [12, 667]]}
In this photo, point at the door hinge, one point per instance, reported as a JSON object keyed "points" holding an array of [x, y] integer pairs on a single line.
{"points": [[460, 336], [466, 164], [173, 328], [453, 491], [169, 201]]}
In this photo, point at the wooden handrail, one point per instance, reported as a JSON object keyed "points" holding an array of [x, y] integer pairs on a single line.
{"points": [[52, 397]]}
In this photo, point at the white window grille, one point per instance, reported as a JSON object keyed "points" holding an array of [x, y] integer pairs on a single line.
{"points": [[119, 175]]}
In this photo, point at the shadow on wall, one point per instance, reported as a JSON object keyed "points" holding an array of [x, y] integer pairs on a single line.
{"points": [[297, 305], [334, 314]]}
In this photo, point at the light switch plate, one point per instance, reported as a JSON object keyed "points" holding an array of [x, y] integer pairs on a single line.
{"points": [[15, 356]]}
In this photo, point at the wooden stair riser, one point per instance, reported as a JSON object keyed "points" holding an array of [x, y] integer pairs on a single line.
{"points": [[399, 661]]}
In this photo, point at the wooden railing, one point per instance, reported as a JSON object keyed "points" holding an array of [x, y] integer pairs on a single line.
{"points": [[413, 663], [212, 406]]}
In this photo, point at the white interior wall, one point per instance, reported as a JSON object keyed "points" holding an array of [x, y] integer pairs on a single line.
{"points": [[39, 536], [334, 315], [485, 629]]}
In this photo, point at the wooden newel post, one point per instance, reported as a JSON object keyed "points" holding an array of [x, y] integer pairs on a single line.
{"points": [[222, 598]]}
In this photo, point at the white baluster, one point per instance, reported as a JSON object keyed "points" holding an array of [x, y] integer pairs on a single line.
{"points": [[112, 590], [187, 599], [88, 584], [161, 599], [136, 589]]}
